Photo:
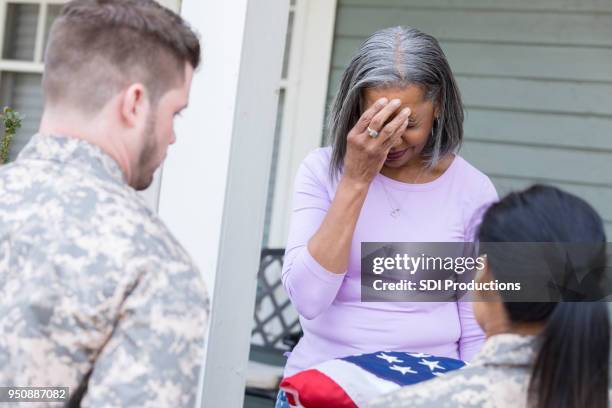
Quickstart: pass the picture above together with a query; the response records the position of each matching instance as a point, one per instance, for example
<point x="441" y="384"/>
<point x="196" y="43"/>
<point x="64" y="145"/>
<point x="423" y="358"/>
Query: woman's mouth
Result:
<point x="392" y="156"/>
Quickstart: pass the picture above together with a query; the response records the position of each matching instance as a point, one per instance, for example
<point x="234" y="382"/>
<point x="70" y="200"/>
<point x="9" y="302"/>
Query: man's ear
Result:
<point x="134" y="105"/>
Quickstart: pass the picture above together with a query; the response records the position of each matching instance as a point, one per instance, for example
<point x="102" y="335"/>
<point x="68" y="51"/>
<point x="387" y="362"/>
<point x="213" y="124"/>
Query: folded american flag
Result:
<point x="354" y="380"/>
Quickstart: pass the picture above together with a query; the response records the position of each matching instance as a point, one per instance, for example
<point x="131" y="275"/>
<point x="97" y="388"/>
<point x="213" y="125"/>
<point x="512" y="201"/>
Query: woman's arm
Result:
<point x="321" y="229"/>
<point x="311" y="286"/>
<point x="331" y="244"/>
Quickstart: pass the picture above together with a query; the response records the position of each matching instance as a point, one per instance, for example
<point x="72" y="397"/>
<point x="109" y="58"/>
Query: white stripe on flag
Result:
<point x="360" y="385"/>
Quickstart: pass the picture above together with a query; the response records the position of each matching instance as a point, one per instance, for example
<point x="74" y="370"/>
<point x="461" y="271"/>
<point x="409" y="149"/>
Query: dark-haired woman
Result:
<point x="392" y="174"/>
<point x="538" y="354"/>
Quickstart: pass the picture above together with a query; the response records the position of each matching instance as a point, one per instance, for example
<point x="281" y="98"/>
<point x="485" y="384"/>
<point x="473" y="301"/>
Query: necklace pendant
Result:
<point x="395" y="213"/>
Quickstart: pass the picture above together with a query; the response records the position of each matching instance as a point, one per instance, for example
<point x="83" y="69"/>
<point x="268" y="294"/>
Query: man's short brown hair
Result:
<point x="97" y="47"/>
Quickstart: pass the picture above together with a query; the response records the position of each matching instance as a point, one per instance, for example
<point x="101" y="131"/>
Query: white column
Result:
<point x="214" y="185"/>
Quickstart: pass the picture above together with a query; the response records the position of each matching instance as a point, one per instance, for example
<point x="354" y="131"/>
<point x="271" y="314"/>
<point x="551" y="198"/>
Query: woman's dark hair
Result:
<point x="398" y="57"/>
<point x="571" y="366"/>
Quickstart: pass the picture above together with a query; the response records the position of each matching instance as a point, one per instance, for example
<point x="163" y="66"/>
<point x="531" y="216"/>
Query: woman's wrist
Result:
<point x="358" y="186"/>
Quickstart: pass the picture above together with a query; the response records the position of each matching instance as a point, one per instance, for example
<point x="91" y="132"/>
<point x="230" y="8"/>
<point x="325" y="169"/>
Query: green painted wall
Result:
<point x="536" y="80"/>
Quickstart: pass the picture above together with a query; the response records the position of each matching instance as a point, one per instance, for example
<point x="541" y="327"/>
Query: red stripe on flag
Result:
<point x="316" y="390"/>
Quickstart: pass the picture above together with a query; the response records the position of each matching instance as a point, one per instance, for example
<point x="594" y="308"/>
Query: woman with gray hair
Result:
<point x="392" y="174"/>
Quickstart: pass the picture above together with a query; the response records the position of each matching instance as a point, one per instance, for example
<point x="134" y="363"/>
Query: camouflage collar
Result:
<point x="506" y="350"/>
<point x="75" y="152"/>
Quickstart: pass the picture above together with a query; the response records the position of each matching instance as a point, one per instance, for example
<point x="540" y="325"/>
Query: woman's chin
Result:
<point x="394" y="164"/>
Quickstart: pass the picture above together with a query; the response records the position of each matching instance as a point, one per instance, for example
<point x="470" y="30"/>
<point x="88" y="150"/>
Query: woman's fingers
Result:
<point x="395" y="125"/>
<point x="396" y="137"/>
<point x="368" y="115"/>
<point x="380" y="118"/>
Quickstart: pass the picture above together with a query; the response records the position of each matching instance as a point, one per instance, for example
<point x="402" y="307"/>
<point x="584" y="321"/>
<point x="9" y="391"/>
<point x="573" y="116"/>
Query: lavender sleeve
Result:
<point x="472" y="336"/>
<point x="311" y="287"/>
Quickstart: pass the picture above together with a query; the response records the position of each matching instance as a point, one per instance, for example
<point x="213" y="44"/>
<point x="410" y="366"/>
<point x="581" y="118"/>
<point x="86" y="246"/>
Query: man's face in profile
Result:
<point x="159" y="132"/>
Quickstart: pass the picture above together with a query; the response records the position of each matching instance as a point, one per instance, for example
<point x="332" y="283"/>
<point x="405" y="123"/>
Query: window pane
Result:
<point x="20" y="31"/>
<point x="23" y="93"/>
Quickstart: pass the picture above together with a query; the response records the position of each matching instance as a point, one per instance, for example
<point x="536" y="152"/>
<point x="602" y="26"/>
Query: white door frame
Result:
<point x="305" y="99"/>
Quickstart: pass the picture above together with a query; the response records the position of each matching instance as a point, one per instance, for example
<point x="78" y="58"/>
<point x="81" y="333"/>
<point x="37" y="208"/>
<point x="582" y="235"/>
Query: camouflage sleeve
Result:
<point x="154" y="355"/>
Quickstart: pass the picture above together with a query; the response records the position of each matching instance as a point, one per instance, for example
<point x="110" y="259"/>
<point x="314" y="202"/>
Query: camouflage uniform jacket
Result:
<point x="96" y="294"/>
<point x="497" y="377"/>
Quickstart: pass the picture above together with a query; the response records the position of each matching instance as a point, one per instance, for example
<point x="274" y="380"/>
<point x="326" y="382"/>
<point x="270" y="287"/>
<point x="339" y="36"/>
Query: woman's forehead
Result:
<point x="412" y="96"/>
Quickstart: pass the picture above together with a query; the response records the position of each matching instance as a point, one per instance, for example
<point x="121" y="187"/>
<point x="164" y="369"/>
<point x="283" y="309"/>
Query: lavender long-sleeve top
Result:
<point x="335" y="322"/>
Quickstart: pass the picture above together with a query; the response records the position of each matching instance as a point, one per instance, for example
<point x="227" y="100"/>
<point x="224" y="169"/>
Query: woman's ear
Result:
<point x="484" y="275"/>
<point x="484" y="270"/>
<point x="436" y="111"/>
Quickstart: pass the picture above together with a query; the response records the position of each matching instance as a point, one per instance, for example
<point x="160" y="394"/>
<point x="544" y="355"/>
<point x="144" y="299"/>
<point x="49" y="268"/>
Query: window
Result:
<point x="24" y="29"/>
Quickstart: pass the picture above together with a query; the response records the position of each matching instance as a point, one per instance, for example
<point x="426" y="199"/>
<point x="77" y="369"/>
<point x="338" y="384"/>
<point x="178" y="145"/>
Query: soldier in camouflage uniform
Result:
<point x="97" y="295"/>
<point x="538" y="354"/>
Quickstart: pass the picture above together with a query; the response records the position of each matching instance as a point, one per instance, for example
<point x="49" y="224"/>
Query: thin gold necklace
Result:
<point x="396" y="208"/>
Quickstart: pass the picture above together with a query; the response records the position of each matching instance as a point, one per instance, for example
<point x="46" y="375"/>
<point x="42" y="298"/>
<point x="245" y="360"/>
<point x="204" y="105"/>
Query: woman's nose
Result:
<point x="398" y="141"/>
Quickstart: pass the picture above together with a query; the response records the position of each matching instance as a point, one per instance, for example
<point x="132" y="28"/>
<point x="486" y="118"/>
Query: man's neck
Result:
<point x="93" y="130"/>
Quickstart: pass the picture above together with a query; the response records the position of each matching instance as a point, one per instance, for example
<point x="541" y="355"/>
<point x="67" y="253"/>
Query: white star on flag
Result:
<point x="403" y="370"/>
<point x="389" y="359"/>
<point x="439" y="374"/>
<point x="431" y="364"/>
<point x="418" y="355"/>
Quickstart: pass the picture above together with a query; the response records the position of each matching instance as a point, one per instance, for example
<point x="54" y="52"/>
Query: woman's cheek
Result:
<point x="415" y="137"/>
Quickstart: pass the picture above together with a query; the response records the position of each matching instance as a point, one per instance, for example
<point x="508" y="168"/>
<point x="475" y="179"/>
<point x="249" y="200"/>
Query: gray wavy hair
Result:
<point x="398" y="57"/>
